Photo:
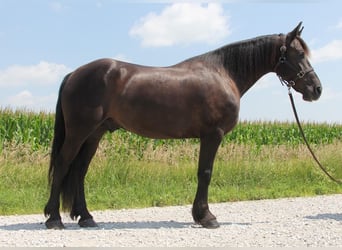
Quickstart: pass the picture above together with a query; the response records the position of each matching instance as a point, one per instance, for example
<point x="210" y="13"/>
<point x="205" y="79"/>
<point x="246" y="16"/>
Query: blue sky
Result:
<point x="42" y="40"/>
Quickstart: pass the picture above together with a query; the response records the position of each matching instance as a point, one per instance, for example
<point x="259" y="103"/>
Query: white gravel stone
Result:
<point x="293" y="222"/>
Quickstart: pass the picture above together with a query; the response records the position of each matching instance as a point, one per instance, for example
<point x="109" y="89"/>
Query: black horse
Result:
<point x="197" y="98"/>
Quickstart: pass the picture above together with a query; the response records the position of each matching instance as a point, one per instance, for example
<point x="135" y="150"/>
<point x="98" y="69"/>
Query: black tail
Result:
<point x="59" y="131"/>
<point x="70" y="182"/>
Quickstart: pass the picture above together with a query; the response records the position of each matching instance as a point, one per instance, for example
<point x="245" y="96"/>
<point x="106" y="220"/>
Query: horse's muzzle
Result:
<point x="313" y="93"/>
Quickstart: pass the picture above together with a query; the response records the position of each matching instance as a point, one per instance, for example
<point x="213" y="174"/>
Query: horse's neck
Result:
<point x="249" y="60"/>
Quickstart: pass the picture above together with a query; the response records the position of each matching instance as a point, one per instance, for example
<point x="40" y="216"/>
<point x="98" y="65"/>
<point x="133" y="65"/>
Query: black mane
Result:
<point x="244" y="57"/>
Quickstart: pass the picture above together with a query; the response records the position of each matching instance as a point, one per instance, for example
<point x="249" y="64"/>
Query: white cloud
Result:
<point x="183" y="23"/>
<point x="25" y="99"/>
<point x="43" y="73"/>
<point x="331" y="51"/>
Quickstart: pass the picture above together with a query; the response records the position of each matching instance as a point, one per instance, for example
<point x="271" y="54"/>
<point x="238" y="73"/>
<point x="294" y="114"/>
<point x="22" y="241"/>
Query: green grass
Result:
<point x="257" y="160"/>
<point x="240" y="173"/>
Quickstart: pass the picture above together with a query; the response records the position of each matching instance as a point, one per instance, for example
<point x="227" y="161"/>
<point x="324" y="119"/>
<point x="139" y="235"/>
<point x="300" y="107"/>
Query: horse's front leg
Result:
<point x="208" y="149"/>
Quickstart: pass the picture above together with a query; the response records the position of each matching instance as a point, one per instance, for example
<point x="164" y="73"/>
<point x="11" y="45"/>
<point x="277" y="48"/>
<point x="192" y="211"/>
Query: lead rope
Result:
<point x="303" y="135"/>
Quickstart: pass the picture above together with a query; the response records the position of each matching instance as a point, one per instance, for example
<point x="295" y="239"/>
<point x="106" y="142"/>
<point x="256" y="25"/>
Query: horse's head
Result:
<point x="294" y="69"/>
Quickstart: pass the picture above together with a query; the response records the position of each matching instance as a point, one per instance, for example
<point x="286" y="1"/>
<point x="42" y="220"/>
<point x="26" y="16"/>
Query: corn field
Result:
<point x="257" y="160"/>
<point x="35" y="130"/>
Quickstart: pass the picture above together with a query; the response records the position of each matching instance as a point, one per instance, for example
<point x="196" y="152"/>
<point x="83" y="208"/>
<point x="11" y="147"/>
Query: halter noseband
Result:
<point x="283" y="61"/>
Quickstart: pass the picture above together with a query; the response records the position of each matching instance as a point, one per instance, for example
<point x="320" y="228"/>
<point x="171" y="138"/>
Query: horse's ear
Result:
<point x="296" y="32"/>
<point x="300" y="31"/>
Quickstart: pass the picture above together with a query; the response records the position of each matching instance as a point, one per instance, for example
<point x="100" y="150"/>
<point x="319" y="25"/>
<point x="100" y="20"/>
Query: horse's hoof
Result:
<point x="87" y="223"/>
<point x="210" y="224"/>
<point x="54" y="224"/>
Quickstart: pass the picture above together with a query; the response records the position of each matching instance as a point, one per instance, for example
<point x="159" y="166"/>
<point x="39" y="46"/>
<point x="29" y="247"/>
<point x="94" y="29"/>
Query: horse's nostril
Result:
<point x="318" y="90"/>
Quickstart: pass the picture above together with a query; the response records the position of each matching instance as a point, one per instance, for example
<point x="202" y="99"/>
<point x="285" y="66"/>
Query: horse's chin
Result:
<point x="308" y="99"/>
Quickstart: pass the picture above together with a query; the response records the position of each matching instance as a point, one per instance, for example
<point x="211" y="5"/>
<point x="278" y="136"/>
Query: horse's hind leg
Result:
<point x="82" y="161"/>
<point x="62" y="164"/>
<point x="208" y="149"/>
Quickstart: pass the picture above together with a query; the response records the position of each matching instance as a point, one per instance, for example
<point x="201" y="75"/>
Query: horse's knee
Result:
<point x="204" y="176"/>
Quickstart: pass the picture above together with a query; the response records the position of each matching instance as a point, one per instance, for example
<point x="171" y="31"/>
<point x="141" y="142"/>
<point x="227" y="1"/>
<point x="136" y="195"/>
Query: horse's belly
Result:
<point x="174" y="109"/>
<point x="160" y="124"/>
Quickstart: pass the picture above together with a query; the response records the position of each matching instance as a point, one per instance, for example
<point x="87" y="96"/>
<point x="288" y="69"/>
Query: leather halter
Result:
<point x="300" y="73"/>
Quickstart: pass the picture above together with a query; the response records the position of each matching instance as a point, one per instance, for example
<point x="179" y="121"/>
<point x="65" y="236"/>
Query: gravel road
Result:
<point x="294" y="222"/>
